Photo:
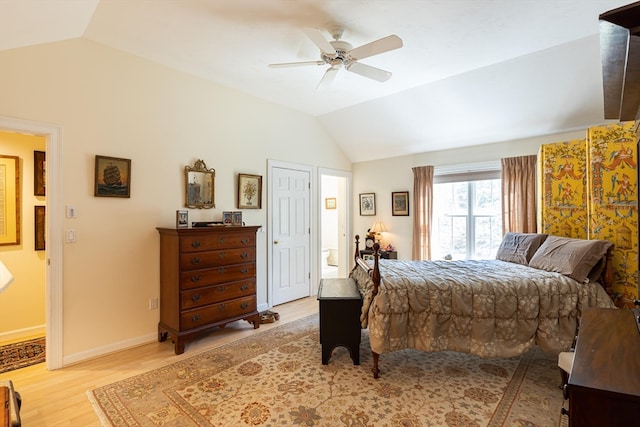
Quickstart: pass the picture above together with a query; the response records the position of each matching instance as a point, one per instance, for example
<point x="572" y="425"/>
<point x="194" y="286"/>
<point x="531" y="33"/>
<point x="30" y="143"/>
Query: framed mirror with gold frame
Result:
<point x="200" y="186"/>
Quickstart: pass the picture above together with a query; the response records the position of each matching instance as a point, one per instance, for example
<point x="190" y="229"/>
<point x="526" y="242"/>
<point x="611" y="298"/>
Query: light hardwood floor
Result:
<point x="59" y="398"/>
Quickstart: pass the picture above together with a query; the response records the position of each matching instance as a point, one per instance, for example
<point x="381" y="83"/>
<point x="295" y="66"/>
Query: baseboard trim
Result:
<point x="107" y="349"/>
<point x="25" y="333"/>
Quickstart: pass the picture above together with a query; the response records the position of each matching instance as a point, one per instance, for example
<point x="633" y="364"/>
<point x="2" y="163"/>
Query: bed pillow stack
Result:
<point x="575" y="258"/>
<point x="519" y="247"/>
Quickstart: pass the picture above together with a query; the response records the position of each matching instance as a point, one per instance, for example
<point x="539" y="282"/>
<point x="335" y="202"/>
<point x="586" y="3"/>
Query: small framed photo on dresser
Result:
<point x="227" y="217"/>
<point x="237" y="218"/>
<point x="182" y="219"/>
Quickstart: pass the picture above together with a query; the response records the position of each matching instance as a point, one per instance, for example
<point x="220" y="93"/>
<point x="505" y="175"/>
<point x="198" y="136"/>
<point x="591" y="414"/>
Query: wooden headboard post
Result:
<point x="375" y="276"/>
<point x="357" y="254"/>
<point x="607" y="274"/>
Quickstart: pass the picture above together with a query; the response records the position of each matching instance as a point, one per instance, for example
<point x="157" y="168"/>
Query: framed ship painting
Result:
<point x="113" y="177"/>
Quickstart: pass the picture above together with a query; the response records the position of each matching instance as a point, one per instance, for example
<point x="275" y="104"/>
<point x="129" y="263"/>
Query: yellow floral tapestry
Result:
<point x="613" y="201"/>
<point x="589" y="191"/>
<point x="564" y="194"/>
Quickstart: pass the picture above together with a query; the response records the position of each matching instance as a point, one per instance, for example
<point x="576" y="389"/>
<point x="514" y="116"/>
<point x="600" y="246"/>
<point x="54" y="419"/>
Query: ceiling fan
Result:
<point x="338" y="54"/>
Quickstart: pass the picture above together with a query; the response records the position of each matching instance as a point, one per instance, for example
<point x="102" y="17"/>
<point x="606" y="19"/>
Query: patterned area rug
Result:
<point x="22" y="354"/>
<point x="276" y="378"/>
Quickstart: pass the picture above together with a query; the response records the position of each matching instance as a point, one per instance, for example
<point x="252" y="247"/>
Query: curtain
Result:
<point x="519" y="194"/>
<point x="422" y="212"/>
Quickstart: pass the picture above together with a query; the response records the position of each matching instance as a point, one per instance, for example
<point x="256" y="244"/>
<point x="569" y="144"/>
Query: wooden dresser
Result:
<point x="207" y="279"/>
<point x="604" y="384"/>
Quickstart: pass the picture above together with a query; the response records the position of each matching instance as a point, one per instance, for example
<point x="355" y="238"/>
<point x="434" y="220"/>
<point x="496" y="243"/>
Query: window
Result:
<point x="467" y="219"/>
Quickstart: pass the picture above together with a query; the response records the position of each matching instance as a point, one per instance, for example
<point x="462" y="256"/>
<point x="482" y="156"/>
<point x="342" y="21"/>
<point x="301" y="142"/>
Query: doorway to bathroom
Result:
<point x="335" y="211"/>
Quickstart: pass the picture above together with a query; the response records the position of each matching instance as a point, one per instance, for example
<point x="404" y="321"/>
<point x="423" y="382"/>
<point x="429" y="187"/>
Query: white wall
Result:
<point x="388" y="175"/>
<point x="114" y="104"/>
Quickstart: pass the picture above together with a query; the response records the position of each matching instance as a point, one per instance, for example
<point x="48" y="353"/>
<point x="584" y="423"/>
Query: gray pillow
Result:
<point x="519" y="247"/>
<point x="572" y="257"/>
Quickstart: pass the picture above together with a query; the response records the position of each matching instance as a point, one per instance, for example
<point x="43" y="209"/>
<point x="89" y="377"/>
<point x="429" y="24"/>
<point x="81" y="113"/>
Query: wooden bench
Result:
<point x="340" y="305"/>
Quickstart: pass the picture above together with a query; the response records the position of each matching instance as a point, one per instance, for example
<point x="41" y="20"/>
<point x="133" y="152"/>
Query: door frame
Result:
<point x="53" y="232"/>
<point x="344" y="204"/>
<point x="313" y="221"/>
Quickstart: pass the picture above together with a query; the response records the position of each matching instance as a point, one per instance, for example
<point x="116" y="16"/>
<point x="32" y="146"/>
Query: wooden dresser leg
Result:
<point x="179" y="346"/>
<point x="375" y="370"/>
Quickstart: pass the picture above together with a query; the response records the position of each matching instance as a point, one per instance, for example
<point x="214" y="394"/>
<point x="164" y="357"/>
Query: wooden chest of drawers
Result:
<point x="207" y="279"/>
<point x="604" y="384"/>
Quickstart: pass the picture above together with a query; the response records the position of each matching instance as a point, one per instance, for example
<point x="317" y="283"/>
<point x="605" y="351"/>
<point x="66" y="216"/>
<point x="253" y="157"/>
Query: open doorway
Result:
<point x="53" y="233"/>
<point x="334" y="213"/>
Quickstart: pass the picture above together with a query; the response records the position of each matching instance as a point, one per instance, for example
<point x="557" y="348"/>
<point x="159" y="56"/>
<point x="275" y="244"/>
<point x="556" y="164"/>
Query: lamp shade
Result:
<point x="378" y="227"/>
<point x="5" y="277"/>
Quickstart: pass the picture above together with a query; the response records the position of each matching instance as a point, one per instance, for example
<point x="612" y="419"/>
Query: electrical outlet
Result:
<point x="72" y="236"/>
<point x="153" y="303"/>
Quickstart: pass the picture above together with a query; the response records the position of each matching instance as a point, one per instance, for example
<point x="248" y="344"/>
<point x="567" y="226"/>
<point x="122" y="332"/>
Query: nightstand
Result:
<point x="383" y="254"/>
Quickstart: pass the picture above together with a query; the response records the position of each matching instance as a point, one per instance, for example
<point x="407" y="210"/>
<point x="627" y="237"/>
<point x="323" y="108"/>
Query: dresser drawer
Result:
<point x="205" y="242"/>
<point x="217" y="312"/>
<point x="212" y="294"/>
<point x="213" y="276"/>
<point x="199" y="260"/>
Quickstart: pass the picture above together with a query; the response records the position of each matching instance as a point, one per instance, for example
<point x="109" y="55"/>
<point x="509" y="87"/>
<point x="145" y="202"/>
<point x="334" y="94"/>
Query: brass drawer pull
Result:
<point x="244" y="255"/>
<point x="222" y="289"/>
<point x="244" y="241"/>
<point x="195" y="261"/>
<point x="221" y="240"/>
<point x="195" y="244"/>
<point x="196" y="318"/>
<point x="195" y="297"/>
<point x="195" y="278"/>
<point x="244" y="287"/>
<point x="222" y="307"/>
<point x="222" y="270"/>
<point x="222" y="255"/>
<point x="244" y="305"/>
<point x="244" y="271"/>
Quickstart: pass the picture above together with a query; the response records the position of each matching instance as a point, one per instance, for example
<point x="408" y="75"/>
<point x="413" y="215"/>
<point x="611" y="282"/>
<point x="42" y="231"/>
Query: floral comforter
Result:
<point x="490" y="308"/>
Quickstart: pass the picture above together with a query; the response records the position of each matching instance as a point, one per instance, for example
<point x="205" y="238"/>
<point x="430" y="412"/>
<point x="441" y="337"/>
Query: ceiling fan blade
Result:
<point x="296" y="64"/>
<point x="369" y="71"/>
<point x="328" y="78"/>
<point x="375" y="47"/>
<point x="319" y="40"/>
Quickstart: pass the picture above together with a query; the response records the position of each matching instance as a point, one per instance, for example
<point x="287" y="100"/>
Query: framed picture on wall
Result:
<point x="10" y="198"/>
<point x="400" y="203"/>
<point x="112" y="177"/>
<point x="39" y="168"/>
<point x="367" y="204"/>
<point x="39" y="226"/>
<point x="249" y="191"/>
<point x="330" y="203"/>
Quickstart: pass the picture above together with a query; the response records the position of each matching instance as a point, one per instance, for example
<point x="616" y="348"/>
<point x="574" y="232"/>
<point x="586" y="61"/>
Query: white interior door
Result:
<point x="290" y="234"/>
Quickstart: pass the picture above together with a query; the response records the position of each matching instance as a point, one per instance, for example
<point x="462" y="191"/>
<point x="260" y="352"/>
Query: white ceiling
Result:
<point x="470" y="71"/>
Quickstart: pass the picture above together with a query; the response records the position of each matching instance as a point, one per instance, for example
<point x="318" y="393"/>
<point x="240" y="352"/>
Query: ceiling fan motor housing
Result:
<point x="342" y="48"/>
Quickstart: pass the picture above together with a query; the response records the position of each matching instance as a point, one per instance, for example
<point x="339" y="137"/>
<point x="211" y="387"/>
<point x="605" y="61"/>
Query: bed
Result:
<point x="532" y="294"/>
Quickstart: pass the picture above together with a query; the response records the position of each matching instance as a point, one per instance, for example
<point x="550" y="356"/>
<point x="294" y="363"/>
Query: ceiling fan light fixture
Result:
<point x="341" y="54"/>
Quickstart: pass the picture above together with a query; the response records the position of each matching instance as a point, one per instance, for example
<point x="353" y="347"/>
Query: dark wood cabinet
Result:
<point x="604" y="384"/>
<point x="207" y="279"/>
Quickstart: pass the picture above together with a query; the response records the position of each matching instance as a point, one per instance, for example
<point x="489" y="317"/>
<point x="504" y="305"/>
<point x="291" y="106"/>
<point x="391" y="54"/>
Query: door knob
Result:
<point x="275" y="242"/>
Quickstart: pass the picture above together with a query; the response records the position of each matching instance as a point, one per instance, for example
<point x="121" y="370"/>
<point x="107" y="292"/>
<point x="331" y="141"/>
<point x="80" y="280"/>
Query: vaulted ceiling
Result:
<point x="470" y="72"/>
